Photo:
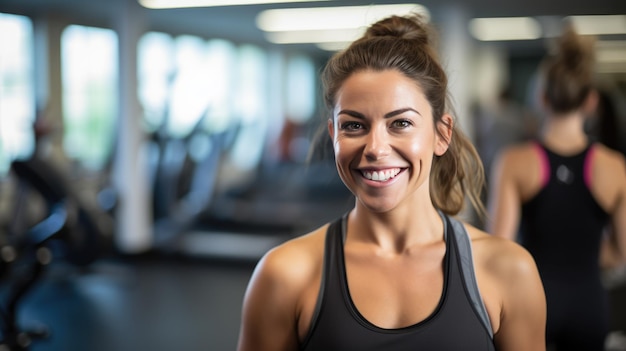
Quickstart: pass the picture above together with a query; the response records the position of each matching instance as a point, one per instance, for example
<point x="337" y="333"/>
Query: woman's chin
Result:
<point x="377" y="205"/>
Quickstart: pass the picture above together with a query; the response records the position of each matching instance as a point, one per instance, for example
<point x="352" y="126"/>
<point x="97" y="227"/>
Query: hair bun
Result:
<point x="569" y="72"/>
<point x="575" y="51"/>
<point x="410" y="27"/>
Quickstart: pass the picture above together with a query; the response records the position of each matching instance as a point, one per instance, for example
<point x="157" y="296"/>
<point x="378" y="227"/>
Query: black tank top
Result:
<point x="562" y="225"/>
<point x="460" y="321"/>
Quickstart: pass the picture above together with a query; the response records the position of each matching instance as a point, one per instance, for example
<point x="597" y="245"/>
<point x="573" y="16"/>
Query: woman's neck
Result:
<point x="565" y="134"/>
<point x="398" y="229"/>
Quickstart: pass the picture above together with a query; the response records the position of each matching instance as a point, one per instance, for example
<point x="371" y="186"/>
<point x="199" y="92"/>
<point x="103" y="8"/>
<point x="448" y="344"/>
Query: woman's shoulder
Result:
<point x="523" y="165"/>
<point x="516" y="158"/>
<point x="520" y="151"/>
<point x="295" y="259"/>
<point x="607" y="157"/>
<point x="608" y="176"/>
<point x="500" y="256"/>
<point x="510" y="286"/>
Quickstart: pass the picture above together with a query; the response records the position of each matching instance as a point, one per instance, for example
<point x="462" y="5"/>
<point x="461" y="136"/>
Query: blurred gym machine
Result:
<point x="196" y="215"/>
<point x="202" y="205"/>
<point x="49" y="222"/>
<point x="183" y="176"/>
<point x="278" y="200"/>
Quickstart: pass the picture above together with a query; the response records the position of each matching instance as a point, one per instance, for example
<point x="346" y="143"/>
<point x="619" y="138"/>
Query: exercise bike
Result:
<point x="68" y="230"/>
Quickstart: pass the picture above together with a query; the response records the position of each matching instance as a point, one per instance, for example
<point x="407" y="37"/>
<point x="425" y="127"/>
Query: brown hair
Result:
<point x="404" y="44"/>
<point x="568" y="73"/>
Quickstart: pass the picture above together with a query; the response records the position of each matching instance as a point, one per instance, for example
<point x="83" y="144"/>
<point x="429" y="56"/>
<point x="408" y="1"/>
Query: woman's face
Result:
<point x="384" y="139"/>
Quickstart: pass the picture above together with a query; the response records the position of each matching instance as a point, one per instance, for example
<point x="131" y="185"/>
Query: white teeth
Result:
<point x="381" y="176"/>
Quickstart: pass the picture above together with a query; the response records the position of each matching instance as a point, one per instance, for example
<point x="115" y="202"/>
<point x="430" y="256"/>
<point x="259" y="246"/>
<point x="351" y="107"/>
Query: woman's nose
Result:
<point x="377" y="144"/>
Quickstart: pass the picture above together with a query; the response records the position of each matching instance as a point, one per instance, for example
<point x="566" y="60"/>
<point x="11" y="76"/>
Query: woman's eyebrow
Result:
<point x="400" y="111"/>
<point x="387" y="115"/>
<point x="352" y="114"/>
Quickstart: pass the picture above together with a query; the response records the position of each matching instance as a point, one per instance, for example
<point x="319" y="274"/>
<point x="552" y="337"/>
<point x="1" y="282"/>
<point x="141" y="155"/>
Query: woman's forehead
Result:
<point x="386" y="89"/>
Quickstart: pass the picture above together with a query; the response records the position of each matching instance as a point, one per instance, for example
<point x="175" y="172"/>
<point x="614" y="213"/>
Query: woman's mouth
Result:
<point x="381" y="175"/>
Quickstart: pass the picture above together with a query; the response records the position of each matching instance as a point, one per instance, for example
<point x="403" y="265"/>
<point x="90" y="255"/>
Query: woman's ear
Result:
<point x="331" y="128"/>
<point x="443" y="137"/>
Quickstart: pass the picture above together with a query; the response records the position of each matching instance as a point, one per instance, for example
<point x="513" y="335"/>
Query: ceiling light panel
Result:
<point x="334" y="46"/>
<point x="599" y="25"/>
<point x="314" y="36"/>
<point x="611" y="51"/>
<point x="170" y="4"/>
<point x="327" y="18"/>
<point x="505" y="28"/>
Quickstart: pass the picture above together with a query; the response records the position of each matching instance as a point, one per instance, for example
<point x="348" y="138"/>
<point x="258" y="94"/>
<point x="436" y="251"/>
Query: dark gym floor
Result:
<point x="148" y="303"/>
<point x="156" y="302"/>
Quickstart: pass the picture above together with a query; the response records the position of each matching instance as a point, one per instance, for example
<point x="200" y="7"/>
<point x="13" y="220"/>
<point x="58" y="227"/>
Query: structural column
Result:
<point x="457" y="58"/>
<point x="47" y="31"/>
<point x="456" y="47"/>
<point x="134" y="232"/>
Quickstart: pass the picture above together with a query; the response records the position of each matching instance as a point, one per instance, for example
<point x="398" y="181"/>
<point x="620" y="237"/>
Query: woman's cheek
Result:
<point x="415" y="147"/>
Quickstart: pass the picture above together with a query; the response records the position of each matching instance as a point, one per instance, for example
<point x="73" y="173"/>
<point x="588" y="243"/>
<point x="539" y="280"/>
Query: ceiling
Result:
<point x="237" y="23"/>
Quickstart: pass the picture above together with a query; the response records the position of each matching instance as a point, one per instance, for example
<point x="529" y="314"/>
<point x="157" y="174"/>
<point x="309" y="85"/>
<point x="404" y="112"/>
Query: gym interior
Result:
<point x="150" y="156"/>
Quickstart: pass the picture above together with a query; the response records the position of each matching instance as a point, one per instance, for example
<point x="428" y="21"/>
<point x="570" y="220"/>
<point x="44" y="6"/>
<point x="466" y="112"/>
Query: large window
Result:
<point x="90" y="85"/>
<point x="300" y="89"/>
<point x="155" y="68"/>
<point x="184" y="81"/>
<point x="215" y="85"/>
<point x="17" y="95"/>
<point x="251" y="107"/>
<point x="187" y="82"/>
<point x="222" y="57"/>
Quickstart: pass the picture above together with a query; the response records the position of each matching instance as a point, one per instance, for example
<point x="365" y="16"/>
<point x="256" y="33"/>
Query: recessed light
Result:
<point x="598" y="25"/>
<point x="170" y="4"/>
<point x="327" y="24"/>
<point x="505" y="28"/>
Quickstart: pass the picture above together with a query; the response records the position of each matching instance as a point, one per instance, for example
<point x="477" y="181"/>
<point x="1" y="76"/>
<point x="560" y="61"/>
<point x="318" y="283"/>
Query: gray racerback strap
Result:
<point x="467" y="269"/>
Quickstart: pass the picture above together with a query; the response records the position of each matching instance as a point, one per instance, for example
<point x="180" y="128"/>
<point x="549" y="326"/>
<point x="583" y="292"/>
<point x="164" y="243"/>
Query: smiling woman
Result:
<point x="377" y="131"/>
<point x="397" y="271"/>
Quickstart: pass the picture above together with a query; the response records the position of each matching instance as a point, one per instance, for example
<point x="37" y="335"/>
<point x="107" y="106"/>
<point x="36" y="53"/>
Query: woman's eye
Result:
<point x="401" y="123"/>
<point x="351" y="126"/>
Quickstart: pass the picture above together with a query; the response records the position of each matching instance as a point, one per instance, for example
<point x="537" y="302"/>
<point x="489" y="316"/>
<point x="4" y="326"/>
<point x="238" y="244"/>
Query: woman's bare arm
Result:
<point x="269" y="308"/>
<point x="282" y="293"/>
<point x="523" y="304"/>
<point x="609" y="188"/>
<point x="504" y="199"/>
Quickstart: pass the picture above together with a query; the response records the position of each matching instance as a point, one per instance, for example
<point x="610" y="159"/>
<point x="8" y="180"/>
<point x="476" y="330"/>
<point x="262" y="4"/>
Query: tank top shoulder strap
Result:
<point x="544" y="162"/>
<point x="333" y="243"/>
<point x="587" y="168"/>
<point x="455" y="230"/>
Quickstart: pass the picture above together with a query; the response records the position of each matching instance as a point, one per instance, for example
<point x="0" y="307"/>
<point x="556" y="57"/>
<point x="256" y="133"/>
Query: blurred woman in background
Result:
<point x="560" y="193"/>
